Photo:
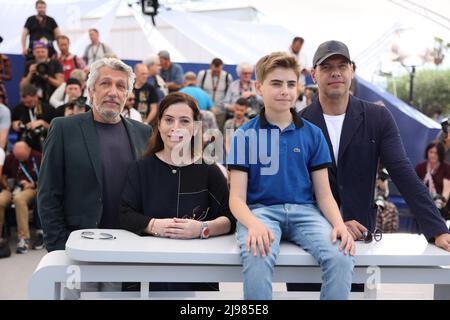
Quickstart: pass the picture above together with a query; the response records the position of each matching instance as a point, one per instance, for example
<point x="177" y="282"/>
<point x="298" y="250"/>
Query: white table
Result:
<point x="397" y="258"/>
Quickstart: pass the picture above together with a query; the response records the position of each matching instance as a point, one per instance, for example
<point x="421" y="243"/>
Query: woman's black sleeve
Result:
<point x="218" y="190"/>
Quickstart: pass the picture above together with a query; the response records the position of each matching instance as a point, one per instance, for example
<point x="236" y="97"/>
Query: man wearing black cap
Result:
<point x="76" y="103"/>
<point x="359" y="135"/>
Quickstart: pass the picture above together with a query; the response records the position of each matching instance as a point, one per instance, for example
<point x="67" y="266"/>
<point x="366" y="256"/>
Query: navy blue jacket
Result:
<point x="370" y="134"/>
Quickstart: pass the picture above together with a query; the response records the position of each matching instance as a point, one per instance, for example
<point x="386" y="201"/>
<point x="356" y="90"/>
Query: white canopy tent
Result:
<point x="197" y="31"/>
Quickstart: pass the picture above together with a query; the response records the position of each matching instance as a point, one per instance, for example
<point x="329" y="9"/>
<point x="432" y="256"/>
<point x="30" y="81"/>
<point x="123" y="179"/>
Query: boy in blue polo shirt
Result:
<point x="278" y="161"/>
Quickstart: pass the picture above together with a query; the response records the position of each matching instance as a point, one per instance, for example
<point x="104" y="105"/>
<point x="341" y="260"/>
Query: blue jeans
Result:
<point x="305" y="226"/>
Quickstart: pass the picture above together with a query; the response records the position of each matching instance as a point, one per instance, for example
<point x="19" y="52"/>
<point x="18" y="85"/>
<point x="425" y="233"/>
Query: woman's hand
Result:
<point x="183" y="229"/>
<point x="158" y="227"/>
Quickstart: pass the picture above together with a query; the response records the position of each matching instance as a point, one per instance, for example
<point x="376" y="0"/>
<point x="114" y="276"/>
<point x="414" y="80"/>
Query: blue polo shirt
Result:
<point x="279" y="162"/>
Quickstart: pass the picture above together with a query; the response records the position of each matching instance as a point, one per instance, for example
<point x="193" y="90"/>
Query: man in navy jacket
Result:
<point x="359" y="135"/>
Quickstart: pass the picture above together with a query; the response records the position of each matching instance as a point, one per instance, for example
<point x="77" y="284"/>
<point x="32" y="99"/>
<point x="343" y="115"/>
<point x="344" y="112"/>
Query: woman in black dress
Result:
<point x="171" y="192"/>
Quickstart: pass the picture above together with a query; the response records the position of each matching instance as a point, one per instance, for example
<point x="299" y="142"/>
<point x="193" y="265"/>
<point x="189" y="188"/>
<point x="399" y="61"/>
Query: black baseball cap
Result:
<point x="73" y="81"/>
<point x="328" y="49"/>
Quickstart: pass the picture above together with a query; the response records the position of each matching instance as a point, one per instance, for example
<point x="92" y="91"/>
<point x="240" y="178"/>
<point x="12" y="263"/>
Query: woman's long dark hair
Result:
<point x="156" y="143"/>
<point x="440" y="150"/>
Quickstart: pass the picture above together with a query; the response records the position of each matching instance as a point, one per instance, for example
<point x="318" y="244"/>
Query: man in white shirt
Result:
<point x="215" y="81"/>
<point x="295" y="50"/>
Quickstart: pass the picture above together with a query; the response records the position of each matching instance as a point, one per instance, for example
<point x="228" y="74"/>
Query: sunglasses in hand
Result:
<point x="368" y="236"/>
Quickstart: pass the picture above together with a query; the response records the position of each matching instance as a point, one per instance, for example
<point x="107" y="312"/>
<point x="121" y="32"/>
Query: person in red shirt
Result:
<point x="68" y="60"/>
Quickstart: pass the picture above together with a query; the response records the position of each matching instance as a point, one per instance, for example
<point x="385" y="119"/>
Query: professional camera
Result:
<point x="42" y="69"/>
<point x="251" y="113"/>
<point x="38" y="131"/>
<point x="80" y="103"/>
<point x="23" y="127"/>
<point x="439" y="201"/>
<point x="33" y="137"/>
<point x="444" y="125"/>
<point x="76" y="106"/>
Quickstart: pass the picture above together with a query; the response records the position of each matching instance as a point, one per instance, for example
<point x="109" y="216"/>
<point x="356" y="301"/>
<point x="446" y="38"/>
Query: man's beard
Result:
<point x="108" y="115"/>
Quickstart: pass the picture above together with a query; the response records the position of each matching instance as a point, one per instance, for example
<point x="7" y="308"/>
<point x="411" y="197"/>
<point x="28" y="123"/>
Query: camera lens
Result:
<point x="42" y="68"/>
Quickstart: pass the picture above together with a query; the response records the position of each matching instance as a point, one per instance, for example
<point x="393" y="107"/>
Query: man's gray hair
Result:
<point x="149" y="61"/>
<point x="243" y="65"/>
<point x="114" y="64"/>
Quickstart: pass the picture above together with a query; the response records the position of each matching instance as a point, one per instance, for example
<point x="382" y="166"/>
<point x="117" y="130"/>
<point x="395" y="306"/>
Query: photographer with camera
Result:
<point x="435" y="174"/>
<point x="59" y="96"/>
<point x="22" y="170"/>
<point x="45" y="73"/>
<point x="31" y="117"/>
<point x="77" y="103"/>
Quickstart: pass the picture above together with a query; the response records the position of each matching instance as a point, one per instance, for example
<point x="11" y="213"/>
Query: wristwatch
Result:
<point x="204" y="232"/>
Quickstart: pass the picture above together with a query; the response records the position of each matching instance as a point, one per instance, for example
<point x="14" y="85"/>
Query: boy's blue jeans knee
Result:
<point x="305" y="226"/>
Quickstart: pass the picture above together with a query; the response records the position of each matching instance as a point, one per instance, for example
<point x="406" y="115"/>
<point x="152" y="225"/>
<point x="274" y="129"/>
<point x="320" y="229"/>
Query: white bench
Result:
<point x="397" y="258"/>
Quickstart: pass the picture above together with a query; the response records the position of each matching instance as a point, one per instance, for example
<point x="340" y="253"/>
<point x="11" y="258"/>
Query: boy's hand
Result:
<point x="347" y="242"/>
<point x="259" y="237"/>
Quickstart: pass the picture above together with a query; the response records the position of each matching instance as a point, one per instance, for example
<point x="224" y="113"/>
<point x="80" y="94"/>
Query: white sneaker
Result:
<point x="22" y="246"/>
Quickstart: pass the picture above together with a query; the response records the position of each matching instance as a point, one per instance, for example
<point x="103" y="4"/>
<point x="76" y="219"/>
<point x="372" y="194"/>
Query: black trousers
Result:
<point x="311" y="287"/>
<point x="172" y="286"/>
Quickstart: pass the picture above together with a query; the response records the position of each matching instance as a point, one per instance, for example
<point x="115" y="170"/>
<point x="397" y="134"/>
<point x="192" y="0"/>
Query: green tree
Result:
<point x="431" y="90"/>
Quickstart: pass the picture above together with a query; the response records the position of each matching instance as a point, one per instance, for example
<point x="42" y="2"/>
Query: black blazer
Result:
<point x="370" y="134"/>
<point x="70" y="183"/>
